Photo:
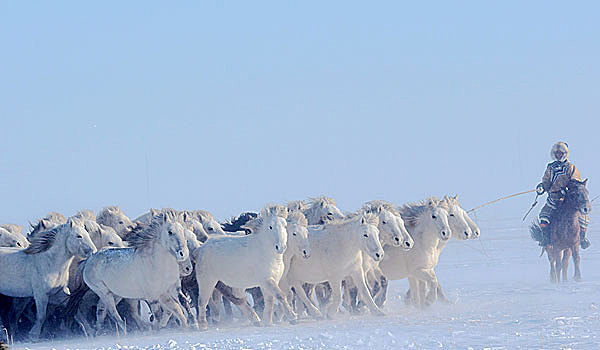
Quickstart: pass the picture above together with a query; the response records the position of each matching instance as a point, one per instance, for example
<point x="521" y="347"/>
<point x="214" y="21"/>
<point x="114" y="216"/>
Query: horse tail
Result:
<point x="228" y="293"/>
<point x="536" y="231"/>
<point x="72" y="303"/>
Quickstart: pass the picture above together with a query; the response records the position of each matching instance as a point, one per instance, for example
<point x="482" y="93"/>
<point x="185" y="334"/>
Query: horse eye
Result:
<point x="366" y="235"/>
<point x="170" y="233"/>
<point x="433" y="216"/>
<point x="111" y="243"/>
<point x="211" y="229"/>
<point x="120" y="222"/>
<point x="270" y="227"/>
<point x="451" y="214"/>
<point x="293" y="234"/>
<point x="330" y="213"/>
<point x="383" y="222"/>
<point x="79" y="236"/>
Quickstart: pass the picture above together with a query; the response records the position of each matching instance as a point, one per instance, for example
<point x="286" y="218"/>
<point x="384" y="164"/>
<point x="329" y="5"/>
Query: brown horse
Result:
<point x="564" y="232"/>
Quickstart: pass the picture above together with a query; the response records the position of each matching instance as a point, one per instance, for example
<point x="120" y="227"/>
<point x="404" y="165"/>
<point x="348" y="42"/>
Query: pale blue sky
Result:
<point x="229" y="105"/>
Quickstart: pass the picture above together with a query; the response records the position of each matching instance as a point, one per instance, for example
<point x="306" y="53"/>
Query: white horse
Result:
<point x="42" y="270"/>
<point x="10" y="239"/>
<point x="460" y="231"/>
<point x="321" y="209"/>
<point x="392" y="231"/>
<point x="13" y="228"/>
<point x="49" y="222"/>
<point x="462" y="227"/>
<point x="242" y="262"/>
<point x="149" y="270"/>
<point x="427" y="223"/>
<point x="114" y="217"/>
<point x="337" y="249"/>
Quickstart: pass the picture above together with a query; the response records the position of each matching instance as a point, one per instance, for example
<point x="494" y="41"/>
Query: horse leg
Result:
<point x="205" y="291"/>
<point x="227" y="308"/>
<point x="576" y="263"/>
<point x="336" y="298"/>
<point x="268" y="310"/>
<point x="381" y="293"/>
<point x="271" y="287"/>
<point x="551" y="260"/>
<point x="347" y="301"/>
<point x="108" y="300"/>
<point x="41" y="303"/>
<point x="565" y="264"/>
<point x="413" y="291"/>
<point x="310" y="306"/>
<point x="215" y="307"/>
<point x="238" y="297"/>
<point x="441" y="295"/>
<point x="171" y="304"/>
<point x="359" y="278"/>
<point x="428" y="276"/>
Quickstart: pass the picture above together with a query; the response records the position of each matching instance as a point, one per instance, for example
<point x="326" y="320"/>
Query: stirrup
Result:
<point x="585" y="243"/>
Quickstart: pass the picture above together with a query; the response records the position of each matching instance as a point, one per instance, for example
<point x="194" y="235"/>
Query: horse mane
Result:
<point x="43" y="241"/>
<point x="12" y="228"/>
<point x="411" y="212"/>
<point x="322" y="200"/>
<point x="86" y="214"/>
<point x="267" y="211"/>
<point x="235" y="223"/>
<point x="143" y="237"/>
<point x="40" y="226"/>
<point x="204" y="216"/>
<point x="297" y="205"/>
<point x="376" y="206"/>
<point x="371" y="218"/>
<point x="108" y="212"/>
<point x="296" y="217"/>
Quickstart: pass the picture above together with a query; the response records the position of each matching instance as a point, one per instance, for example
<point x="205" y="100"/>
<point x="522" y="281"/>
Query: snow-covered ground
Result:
<point x="503" y="301"/>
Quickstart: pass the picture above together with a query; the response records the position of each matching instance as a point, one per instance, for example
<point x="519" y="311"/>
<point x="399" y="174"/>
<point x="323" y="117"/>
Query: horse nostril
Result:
<point x="407" y="244"/>
<point x="397" y="239"/>
<point x="466" y="234"/>
<point x="377" y="255"/>
<point x="304" y="252"/>
<point x="276" y="247"/>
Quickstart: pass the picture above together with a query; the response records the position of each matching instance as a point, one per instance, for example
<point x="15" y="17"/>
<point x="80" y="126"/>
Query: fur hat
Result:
<point x="560" y="146"/>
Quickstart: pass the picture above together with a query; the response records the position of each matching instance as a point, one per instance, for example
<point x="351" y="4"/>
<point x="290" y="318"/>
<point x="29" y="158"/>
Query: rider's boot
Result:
<point x="545" y="233"/>
<point x="583" y="241"/>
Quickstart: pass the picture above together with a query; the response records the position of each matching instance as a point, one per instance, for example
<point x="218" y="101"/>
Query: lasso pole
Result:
<point x="500" y="199"/>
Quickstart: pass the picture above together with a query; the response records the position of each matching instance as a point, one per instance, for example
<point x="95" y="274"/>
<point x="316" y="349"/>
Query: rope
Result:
<point x="500" y="199"/>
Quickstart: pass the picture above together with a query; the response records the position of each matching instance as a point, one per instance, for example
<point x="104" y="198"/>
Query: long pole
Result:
<point x="500" y="199"/>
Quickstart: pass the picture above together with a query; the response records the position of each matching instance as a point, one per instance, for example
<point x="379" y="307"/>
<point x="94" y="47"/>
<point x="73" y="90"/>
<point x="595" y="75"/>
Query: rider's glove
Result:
<point x="539" y="189"/>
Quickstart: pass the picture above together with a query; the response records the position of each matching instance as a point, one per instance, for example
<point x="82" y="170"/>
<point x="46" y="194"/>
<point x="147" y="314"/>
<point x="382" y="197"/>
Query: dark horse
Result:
<point x="564" y="231"/>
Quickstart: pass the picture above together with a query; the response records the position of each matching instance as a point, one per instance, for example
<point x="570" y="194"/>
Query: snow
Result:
<point x="503" y="300"/>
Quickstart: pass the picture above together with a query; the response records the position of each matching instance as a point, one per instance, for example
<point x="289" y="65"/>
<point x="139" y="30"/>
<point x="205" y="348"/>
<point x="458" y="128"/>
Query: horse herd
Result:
<point x="183" y="268"/>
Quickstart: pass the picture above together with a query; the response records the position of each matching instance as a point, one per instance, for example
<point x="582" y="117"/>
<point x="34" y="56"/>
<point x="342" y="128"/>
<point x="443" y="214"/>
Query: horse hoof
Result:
<point x="578" y="279"/>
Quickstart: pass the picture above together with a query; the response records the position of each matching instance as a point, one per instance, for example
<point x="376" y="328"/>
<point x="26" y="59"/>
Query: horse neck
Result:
<point x="426" y="230"/>
<point x="58" y="254"/>
<point x="311" y="216"/>
<point x="345" y="236"/>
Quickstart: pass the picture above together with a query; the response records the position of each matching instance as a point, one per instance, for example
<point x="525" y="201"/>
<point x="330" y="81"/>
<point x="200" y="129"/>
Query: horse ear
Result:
<point x="362" y="220"/>
<point x="323" y="204"/>
<point x="456" y="197"/>
<point x="585" y="182"/>
<point x="431" y="203"/>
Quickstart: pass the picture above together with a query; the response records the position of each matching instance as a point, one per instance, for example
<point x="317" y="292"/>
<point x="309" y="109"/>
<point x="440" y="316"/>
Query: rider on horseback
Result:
<point x="555" y="181"/>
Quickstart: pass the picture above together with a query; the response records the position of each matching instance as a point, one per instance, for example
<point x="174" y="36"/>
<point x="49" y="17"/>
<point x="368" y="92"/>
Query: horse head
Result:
<point x="297" y="228"/>
<point x="578" y="196"/>
<point x="456" y="219"/>
<point x="172" y="237"/>
<point x="369" y="235"/>
<point x="78" y="240"/>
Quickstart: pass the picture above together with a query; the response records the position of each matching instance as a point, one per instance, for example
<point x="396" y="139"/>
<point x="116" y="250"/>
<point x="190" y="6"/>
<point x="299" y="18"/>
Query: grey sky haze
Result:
<point x="226" y="106"/>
